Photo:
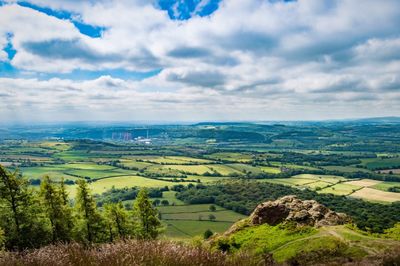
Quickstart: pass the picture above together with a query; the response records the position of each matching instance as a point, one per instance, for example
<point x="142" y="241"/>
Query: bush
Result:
<point x="207" y="234"/>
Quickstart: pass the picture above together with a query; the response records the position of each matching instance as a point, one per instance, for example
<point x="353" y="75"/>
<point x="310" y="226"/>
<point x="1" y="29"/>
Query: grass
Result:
<point x="190" y="220"/>
<point x="189" y="159"/>
<point x="224" y="170"/>
<point x="245" y="167"/>
<point x="340" y="189"/>
<point x="102" y="185"/>
<point x="364" y="182"/>
<point x="305" y="245"/>
<point x="384" y="186"/>
<point x="225" y="216"/>
<point x="81" y="156"/>
<point x="293" y="166"/>
<point x="189" y="229"/>
<point x="291" y="181"/>
<point x="381" y="163"/>
<point x="231" y="156"/>
<point x="346" y="169"/>
<point x="271" y="170"/>
<point x="254" y="238"/>
<point x="192" y="169"/>
<point x="187" y="208"/>
<point x="98" y="174"/>
<point x="87" y="166"/>
<point x="376" y="195"/>
<point x="317" y="185"/>
<point x="135" y="164"/>
<point x="326" y="178"/>
<point x="55" y="172"/>
<point x="170" y="196"/>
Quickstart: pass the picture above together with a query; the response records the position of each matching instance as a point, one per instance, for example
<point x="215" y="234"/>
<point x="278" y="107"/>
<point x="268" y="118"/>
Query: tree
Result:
<point x="2" y="239"/>
<point x="148" y="223"/>
<point x="21" y="215"/>
<point x="393" y="232"/>
<point x="58" y="212"/>
<point x="156" y="202"/>
<point x="63" y="191"/>
<point x="212" y="217"/>
<point x="118" y="221"/>
<point x="91" y="221"/>
<point x="212" y="208"/>
<point x="164" y="202"/>
<point x="207" y="234"/>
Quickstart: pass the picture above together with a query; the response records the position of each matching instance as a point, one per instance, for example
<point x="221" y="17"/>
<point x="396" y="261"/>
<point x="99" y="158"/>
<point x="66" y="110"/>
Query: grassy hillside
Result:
<point x="305" y="245"/>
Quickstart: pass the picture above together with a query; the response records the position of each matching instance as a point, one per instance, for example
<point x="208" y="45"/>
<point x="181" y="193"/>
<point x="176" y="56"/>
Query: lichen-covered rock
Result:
<point x="290" y="208"/>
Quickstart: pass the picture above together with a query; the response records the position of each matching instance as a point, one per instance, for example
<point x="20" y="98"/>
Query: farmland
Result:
<point x="367" y="172"/>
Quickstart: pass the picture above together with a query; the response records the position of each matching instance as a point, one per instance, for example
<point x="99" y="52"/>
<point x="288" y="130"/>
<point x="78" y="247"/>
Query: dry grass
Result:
<point x="376" y="195"/>
<point x="364" y="182"/>
<point x="131" y="252"/>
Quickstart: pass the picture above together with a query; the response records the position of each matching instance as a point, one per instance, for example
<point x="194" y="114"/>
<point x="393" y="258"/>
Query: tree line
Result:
<point x="31" y="218"/>
<point x="243" y="196"/>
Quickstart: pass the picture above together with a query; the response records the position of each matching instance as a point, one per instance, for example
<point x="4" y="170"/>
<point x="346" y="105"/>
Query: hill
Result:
<point x="298" y="232"/>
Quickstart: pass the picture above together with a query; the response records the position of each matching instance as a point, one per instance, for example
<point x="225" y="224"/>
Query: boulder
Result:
<point x="292" y="209"/>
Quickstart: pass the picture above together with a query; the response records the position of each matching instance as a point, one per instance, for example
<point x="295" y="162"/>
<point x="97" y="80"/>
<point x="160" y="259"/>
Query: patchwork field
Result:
<point x="190" y="220"/>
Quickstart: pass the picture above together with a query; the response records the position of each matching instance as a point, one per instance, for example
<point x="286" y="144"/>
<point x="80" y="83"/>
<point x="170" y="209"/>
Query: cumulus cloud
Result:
<point x="246" y="60"/>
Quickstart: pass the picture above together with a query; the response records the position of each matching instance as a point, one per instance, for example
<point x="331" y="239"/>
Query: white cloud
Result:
<point x="248" y="60"/>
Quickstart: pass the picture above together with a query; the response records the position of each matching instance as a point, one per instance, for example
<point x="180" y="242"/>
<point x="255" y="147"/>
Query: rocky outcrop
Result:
<point x="292" y="209"/>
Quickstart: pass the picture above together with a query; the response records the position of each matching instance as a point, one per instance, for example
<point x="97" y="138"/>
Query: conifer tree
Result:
<point x="148" y="223"/>
<point x="57" y="211"/>
<point x="21" y="216"/>
<point x="92" y="224"/>
<point x="118" y="221"/>
<point x="63" y="192"/>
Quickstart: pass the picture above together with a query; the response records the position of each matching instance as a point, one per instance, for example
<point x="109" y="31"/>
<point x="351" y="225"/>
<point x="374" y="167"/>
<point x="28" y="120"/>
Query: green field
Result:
<point x="191" y="220"/>
<point x="55" y="172"/>
<point x="346" y="169"/>
<point x="231" y="156"/>
<point x="340" y="189"/>
<point x="102" y="185"/>
<point x="134" y="164"/>
<point x="246" y="168"/>
<point x="326" y="178"/>
<point x="271" y="170"/>
<point x="381" y="163"/>
<point x="189" y="229"/>
<point x="191" y="169"/>
<point x="384" y="186"/>
<point x="170" y="196"/>
<point x="224" y="170"/>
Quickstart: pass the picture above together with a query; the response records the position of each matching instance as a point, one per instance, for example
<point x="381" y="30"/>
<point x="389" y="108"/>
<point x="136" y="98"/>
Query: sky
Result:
<point x="198" y="60"/>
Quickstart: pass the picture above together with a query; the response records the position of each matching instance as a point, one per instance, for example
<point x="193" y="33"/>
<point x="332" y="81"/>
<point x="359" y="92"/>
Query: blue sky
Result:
<point x="194" y="60"/>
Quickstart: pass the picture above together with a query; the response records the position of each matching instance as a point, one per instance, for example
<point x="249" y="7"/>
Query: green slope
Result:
<point x="305" y="245"/>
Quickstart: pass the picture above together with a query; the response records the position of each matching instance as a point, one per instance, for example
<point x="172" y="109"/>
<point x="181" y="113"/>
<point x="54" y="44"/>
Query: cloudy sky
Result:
<point x="197" y="60"/>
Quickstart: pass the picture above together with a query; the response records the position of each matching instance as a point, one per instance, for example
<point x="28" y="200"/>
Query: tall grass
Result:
<point x="131" y="252"/>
